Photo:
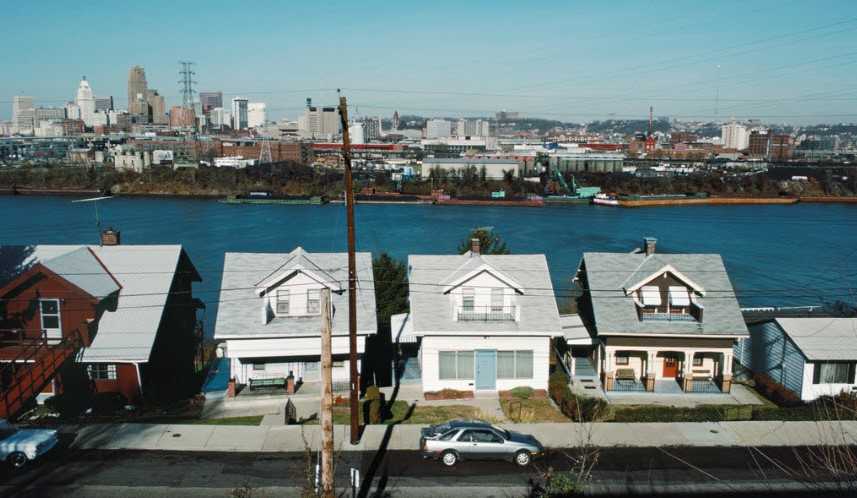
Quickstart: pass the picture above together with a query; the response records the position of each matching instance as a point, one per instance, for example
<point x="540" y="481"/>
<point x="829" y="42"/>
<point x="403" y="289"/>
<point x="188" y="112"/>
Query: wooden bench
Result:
<point x="272" y="382"/>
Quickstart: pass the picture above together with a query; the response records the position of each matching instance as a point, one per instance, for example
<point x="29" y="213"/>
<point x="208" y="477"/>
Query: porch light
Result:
<point x="679" y="296"/>
<point x="651" y="295"/>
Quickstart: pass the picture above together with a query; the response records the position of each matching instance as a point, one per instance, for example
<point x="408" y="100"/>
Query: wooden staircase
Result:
<point x="34" y="366"/>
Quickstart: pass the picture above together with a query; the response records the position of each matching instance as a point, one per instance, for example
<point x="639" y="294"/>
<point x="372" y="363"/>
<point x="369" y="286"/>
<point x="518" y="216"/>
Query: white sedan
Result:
<point x="19" y="446"/>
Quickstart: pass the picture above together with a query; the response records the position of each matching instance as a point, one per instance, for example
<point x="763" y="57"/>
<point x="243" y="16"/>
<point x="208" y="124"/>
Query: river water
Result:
<point x="776" y="255"/>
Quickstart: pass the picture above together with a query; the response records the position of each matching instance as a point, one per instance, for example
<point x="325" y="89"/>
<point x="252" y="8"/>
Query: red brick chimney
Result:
<point x="110" y="237"/>
<point x="474" y="246"/>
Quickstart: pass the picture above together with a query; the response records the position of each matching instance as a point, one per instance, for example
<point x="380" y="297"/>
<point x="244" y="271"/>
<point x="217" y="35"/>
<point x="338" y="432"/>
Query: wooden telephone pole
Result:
<point x="326" y="397"/>
<point x="352" y="272"/>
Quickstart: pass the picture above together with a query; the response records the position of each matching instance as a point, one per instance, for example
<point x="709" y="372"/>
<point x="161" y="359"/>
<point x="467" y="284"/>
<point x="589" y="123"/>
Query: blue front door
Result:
<point x="486" y="369"/>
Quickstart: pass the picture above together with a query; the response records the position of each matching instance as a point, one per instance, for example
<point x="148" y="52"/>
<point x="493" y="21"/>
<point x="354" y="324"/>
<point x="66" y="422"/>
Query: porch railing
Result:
<point x="486" y="313"/>
<point x="666" y="317"/>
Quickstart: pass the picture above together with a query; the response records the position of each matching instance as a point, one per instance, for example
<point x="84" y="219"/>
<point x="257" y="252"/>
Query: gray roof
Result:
<point x="608" y="274"/>
<point x="82" y="268"/>
<point x="145" y="273"/>
<point x="239" y="311"/>
<point x="430" y="311"/>
<point x="832" y="339"/>
<point x="573" y="330"/>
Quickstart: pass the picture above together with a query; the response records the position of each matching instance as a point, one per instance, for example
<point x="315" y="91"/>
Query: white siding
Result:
<point x="812" y="391"/>
<point x="429" y="360"/>
<point x="298" y="287"/>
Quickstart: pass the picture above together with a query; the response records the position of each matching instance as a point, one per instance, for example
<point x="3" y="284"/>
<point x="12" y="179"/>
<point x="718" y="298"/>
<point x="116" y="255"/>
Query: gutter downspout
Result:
<point x="139" y="379"/>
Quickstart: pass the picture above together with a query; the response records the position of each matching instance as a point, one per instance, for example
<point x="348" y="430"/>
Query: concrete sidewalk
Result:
<point x="406" y="436"/>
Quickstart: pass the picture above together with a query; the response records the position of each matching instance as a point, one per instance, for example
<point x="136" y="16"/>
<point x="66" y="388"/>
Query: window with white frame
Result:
<point x="313" y="301"/>
<point x="833" y="373"/>
<point x="455" y="365"/>
<point x="468" y="299"/>
<point x="258" y="367"/>
<point x="50" y="311"/>
<point x="515" y="364"/>
<point x="497" y="297"/>
<point x="650" y="295"/>
<point x="283" y="297"/>
<point x="101" y="371"/>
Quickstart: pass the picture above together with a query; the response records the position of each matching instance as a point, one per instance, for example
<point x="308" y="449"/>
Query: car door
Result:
<point x="483" y="444"/>
<point x="467" y="444"/>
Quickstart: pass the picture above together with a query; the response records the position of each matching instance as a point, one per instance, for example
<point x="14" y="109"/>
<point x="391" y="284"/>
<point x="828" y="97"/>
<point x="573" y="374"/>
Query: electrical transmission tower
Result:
<point x="265" y="153"/>
<point x="187" y="82"/>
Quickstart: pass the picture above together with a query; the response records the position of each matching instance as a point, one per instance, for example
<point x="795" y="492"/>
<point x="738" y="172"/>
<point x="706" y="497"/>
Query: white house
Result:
<point x="811" y="357"/>
<point x="483" y="322"/>
<point x="269" y="316"/>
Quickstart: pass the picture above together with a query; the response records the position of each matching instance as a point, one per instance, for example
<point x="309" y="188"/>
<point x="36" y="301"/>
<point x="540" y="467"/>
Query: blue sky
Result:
<point x="781" y="61"/>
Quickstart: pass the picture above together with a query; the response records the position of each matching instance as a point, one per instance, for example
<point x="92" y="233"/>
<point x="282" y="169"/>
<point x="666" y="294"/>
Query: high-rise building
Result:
<point x="85" y="100"/>
<point x="23" y="115"/>
<point x="319" y="123"/>
<point x="372" y="129"/>
<point x="210" y="100"/>
<point x="256" y="114"/>
<point x="438" y="128"/>
<point x="48" y="114"/>
<point x="760" y="142"/>
<point x="137" y="92"/>
<point x="735" y="136"/>
<point x="472" y="128"/>
<point x="103" y="104"/>
<point x="216" y="117"/>
<point x="156" y="108"/>
<point x="781" y="147"/>
<point x="239" y="113"/>
<point x="182" y="117"/>
<point x="395" y="120"/>
<point x="355" y="133"/>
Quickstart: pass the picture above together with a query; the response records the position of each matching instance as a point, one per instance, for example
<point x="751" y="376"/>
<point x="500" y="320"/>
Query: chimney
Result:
<point x="110" y="237"/>
<point x="474" y="247"/>
<point x="649" y="244"/>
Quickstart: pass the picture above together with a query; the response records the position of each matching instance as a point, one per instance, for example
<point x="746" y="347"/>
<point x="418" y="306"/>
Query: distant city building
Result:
<point x="49" y="129"/>
<point x="319" y="123"/>
<point x="506" y="115"/>
<point x="218" y="118"/>
<point x="138" y="92"/>
<point x="103" y="104"/>
<point x="210" y="100"/>
<point x="23" y="115"/>
<point x="494" y="169"/>
<point x="372" y="129"/>
<point x="760" y="141"/>
<point x="182" y="117"/>
<point x="396" y="120"/>
<point x="355" y="133"/>
<point x="735" y="136"/>
<point x="157" y="107"/>
<point x="472" y="128"/>
<point x="48" y="114"/>
<point x="781" y="147"/>
<point x="438" y="128"/>
<point x="239" y="113"/>
<point x="256" y="114"/>
<point x="85" y="100"/>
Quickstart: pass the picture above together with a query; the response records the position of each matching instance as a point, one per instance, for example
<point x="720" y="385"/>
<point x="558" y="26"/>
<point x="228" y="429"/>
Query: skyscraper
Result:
<point x="395" y="120"/>
<point x="210" y="100"/>
<point x="22" y="114"/>
<point x="239" y="113"/>
<point x="86" y="102"/>
<point x="256" y="114"/>
<point x="156" y="109"/>
<point x="137" y="91"/>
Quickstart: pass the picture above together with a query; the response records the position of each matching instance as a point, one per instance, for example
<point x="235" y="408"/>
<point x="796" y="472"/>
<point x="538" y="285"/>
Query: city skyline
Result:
<point x="773" y="61"/>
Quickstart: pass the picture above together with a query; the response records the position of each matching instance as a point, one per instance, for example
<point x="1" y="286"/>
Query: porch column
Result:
<point x="651" y="358"/>
<point x="726" y="372"/>
<point x="687" y="372"/>
<point x="571" y="365"/>
<point x="609" y="360"/>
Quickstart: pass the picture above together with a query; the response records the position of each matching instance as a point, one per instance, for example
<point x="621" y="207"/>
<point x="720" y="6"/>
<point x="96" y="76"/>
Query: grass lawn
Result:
<point x="531" y="411"/>
<point x="248" y="420"/>
<point x="401" y="412"/>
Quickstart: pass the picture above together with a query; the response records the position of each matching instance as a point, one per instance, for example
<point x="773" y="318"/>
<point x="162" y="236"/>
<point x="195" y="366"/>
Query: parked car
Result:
<point x="20" y="446"/>
<point x="472" y="439"/>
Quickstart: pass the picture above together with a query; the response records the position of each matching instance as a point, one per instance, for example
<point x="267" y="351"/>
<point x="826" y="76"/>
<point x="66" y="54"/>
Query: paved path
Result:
<point x="406" y="436"/>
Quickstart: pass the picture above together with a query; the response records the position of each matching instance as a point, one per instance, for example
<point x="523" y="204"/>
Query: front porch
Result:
<point x="667" y="371"/>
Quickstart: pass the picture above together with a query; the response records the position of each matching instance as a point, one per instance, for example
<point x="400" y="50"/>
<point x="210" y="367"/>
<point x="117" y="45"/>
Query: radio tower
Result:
<point x="187" y="82"/>
<point x="650" y="139"/>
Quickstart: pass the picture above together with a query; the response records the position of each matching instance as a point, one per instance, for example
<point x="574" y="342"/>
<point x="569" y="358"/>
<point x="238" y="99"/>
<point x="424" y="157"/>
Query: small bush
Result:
<point x="376" y="404"/>
<point x="522" y="392"/>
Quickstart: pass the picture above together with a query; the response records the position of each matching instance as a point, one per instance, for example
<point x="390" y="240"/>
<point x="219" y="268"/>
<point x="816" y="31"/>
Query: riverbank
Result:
<point x="708" y="201"/>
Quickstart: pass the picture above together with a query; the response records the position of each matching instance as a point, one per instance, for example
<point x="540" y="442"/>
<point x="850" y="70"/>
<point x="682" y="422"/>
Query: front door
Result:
<point x="486" y="369"/>
<point x="670" y="367"/>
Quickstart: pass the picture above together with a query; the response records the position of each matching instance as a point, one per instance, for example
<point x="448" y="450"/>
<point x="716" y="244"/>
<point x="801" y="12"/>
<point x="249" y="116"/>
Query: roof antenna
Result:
<point x="95" y="200"/>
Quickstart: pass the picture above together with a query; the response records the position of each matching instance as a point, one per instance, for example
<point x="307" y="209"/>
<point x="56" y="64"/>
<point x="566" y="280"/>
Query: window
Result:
<point x="679" y="296"/>
<point x="101" y="371"/>
<point x="833" y="373"/>
<point x="622" y="360"/>
<point x="651" y="295"/>
<point x="515" y="364"/>
<point x="282" y="302"/>
<point x="448" y="435"/>
<point x="50" y="311"/>
<point x="455" y="365"/>
<point x="480" y="436"/>
<point x="468" y="300"/>
<point x="697" y="361"/>
<point x="497" y="298"/>
<point x="258" y="367"/>
<point x="313" y="301"/>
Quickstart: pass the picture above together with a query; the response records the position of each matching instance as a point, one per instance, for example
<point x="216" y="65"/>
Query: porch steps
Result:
<point x="585" y="374"/>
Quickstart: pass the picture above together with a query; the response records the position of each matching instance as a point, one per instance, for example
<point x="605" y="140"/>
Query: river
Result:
<point x="776" y="255"/>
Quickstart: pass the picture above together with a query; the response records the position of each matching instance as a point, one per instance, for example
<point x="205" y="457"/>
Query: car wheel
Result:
<point x="17" y="460"/>
<point x="449" y="458"/>
<point x="523" y="458"/>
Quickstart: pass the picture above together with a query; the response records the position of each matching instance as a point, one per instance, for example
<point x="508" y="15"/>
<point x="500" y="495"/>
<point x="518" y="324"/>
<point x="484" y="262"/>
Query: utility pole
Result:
<point x="326" y="397"/>
<point x="352" y="271"/>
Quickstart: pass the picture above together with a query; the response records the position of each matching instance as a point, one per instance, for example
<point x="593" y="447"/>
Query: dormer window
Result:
<point x="679" y="297"/>
<point x="468" y="299"/>
<point x="283" y="301"/>
<point x="497" y="299"/>
<point x="650" y="295"/>
<point x="313" y="301"/>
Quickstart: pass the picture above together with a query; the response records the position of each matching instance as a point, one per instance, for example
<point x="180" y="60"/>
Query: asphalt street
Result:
<point x="676" y="471"/>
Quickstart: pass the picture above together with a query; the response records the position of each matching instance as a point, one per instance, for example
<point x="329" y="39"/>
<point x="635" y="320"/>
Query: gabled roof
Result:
<point x="238" y="313"/>
<point x="823" y="339"/>
<point x="430" y="312"/>
<point x="297" y="261"/>
<point x="668" y="268"/>
<point x="83" y="269"/>
<point x="614" y="311"/>
<point x="474" y="266"/>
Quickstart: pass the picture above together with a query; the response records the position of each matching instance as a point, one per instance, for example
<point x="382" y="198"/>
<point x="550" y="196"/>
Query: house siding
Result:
<point x="126" y="383"/>
<point x="812" y="391"/>
<point x="432" y="345"/>
<point x="769" y="351"/>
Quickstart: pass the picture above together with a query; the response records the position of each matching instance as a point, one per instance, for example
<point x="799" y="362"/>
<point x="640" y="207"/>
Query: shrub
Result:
<point x="577" y="408"/>
<point x="376" y="404"/>
<point x="449" y="394"/>
<point x="775" y="391"/>
<point x="523" y="392"/>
